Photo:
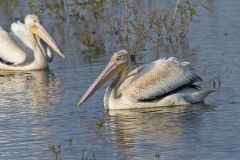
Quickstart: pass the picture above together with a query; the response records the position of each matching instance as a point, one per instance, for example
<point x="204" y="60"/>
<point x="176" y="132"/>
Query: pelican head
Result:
<point x="33" y="25"/>
<point x="119" y="64"/>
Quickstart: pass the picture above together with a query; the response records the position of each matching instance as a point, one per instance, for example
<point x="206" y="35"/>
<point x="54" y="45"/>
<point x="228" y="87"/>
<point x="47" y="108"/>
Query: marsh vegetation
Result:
<point x="135" y="25"/>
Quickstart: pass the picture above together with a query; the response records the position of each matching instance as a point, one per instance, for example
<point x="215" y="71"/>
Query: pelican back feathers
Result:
<point x="158" y="78"/>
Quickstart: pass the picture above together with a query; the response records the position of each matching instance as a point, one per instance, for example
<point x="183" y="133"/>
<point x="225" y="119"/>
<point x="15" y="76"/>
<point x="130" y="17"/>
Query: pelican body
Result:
<point x="27" y="46"/>
<point x="164" y="82"/>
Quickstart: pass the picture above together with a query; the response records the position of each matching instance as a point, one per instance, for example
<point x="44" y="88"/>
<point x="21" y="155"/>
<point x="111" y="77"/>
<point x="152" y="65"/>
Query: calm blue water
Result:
<point x="38" y="108"/>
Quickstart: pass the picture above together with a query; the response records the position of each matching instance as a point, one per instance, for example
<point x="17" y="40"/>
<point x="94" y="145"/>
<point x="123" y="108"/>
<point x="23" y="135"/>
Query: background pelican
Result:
<point x="164" y="82"/>
<point x="23" y="48"/>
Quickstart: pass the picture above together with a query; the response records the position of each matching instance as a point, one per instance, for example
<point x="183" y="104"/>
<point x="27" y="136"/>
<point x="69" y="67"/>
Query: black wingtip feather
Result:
<point x="5" y="62"/>
<point x="197" y="78"/>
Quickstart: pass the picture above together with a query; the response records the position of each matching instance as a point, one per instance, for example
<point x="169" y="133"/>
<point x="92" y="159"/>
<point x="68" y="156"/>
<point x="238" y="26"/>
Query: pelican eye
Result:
<point x="118" y="58"/>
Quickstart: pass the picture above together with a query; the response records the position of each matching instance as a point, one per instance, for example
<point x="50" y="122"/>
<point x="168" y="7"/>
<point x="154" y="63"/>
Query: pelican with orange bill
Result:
<point x="27" y="47"/>
<point x="164" y="82"/>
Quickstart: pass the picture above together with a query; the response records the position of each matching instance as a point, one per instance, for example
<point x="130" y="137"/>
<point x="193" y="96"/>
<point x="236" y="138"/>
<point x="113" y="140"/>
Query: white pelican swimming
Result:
<point x="164" y="82"/>
<point x="24" y="48"/>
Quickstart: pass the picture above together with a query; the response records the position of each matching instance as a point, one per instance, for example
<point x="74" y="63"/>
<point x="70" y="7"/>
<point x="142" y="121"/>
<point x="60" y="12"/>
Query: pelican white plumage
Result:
<point x="164" y="82"/>
<point x="23" y="48"/>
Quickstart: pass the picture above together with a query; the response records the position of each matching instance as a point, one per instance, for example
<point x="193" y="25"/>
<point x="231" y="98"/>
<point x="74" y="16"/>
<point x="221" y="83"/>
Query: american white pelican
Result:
<point x="23" y="48"/>
<point x="164" y="82"/>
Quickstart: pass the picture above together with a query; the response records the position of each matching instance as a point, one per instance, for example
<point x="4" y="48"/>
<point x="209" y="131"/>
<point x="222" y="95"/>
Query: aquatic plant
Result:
<point x="87" y="153"/>
<point x="8" y="7"/>
<point x="125" y="24"/>
<point x="55" y="150"/>
<point x="138" y="26"/>
<point x="102" y="121"/>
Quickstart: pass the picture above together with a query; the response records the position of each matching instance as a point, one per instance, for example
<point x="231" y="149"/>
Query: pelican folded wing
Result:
<point x="10" y="52"/>
<point x="158" y="78"/>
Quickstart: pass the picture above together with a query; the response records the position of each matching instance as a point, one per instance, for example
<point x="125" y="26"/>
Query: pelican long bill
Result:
<point x="40" y="31"/>
<point x="106" y="74"/>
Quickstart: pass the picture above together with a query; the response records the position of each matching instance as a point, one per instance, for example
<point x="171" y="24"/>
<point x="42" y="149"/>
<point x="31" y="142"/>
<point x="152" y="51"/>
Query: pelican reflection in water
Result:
<point x="164" y="82"/>
<point x="35" y="89"/>
<point x="25" y="47"/>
